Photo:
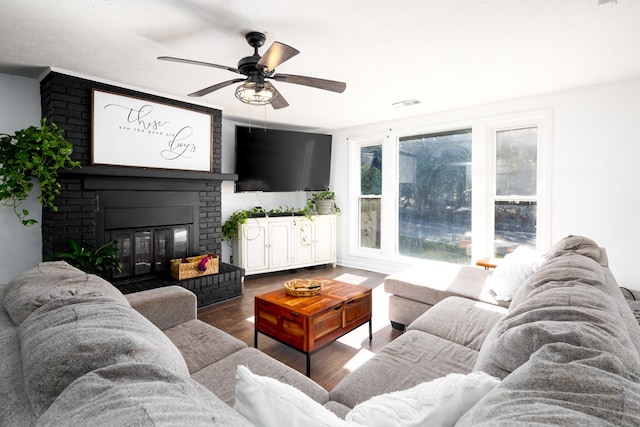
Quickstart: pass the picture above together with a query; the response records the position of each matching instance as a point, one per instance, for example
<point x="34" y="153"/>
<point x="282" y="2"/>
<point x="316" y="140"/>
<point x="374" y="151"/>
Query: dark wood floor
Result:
<point x="329" y="364"/>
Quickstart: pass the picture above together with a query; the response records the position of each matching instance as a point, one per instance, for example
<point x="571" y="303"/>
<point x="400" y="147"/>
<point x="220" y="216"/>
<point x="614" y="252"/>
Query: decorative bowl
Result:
<point x="303" y="287"/>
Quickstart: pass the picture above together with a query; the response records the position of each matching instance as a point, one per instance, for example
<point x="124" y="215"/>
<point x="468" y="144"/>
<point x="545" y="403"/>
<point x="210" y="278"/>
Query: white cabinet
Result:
<point x="325" y="238"/>
<point x="252" y="246"/>
<point x="281" y="243"/>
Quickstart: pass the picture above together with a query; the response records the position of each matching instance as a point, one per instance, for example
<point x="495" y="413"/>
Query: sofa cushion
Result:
<point x="153" y="304"/>
<point x="564" y="301"/>
<point x="460" y="320"/>
<point x="53" y="280"/>
<point x="202" y="344"/>
<point x="412" y="358"/>
<point x="138" y="394"/>
<point x="563" y="385"/>
<point x="578" y="245"/>
<point x="15" y="408"/>
<point x="69" y="337"/>
<point x="220" y="377"/>
<point x="432" y="282"/>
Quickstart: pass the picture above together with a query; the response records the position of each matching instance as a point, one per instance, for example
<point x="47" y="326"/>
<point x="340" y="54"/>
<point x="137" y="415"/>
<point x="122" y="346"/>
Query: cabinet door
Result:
<point x="303" y="245"/>
<point x="253" y="245"/>
<point x="325" y="238"/>
<point x="280" y="244"/>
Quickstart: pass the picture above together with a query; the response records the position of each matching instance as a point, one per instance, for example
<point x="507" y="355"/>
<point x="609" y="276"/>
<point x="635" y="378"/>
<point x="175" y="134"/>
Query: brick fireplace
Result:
<point x="99" y="203"/>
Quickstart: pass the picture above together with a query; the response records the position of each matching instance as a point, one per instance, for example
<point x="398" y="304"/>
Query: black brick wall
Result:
<point x="66" y="101"/>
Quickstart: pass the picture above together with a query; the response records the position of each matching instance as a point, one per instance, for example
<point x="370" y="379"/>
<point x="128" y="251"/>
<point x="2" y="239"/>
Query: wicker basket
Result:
<point x="186" y="270"/>
<point x="303" y="287"/>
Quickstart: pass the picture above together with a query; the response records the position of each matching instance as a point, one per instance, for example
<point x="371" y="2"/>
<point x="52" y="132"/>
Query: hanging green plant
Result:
<point x="230" y="226"/>
<point x="33" y="152"/>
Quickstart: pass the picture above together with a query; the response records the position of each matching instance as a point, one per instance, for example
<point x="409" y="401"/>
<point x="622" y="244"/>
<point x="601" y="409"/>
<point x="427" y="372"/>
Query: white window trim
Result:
<point x="483" y="173"/>
<point x="542" y="119"/>
<point x="353" y="221"/>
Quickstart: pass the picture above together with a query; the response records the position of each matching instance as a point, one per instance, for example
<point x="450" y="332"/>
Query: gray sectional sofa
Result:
<point x="75" y="351"/>
<point x="415" y="290"/>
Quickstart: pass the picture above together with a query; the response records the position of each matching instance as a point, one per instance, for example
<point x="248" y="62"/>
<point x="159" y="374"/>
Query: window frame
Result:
<point x="355" y="146"/>
<point x="483" y="130"/>
<point x="542" y="121"/>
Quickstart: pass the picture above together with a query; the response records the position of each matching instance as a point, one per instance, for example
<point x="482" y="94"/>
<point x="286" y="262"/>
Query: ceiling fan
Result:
<point x="255" y="89"/>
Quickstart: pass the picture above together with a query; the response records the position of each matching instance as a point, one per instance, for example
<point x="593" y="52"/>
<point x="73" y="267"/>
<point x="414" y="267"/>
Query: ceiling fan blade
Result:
<point x="208" y="90"/>
<point x="191" y="61"/>
<point x="278" y="101"/>
<point x="324" y="84"/>
<point x="276" y="55"/>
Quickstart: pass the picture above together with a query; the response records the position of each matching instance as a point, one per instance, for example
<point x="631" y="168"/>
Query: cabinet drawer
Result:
<point x="327" y="322"/>
<point x="293" y="326"/>
<point x="357" y="310"/>
<point x="267" y="319"/>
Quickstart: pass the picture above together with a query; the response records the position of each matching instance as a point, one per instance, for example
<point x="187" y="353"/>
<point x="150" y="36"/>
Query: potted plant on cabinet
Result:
<point x="230" y="226"/>
<point x="33" y="152"/>
<point x="324" y="202"/>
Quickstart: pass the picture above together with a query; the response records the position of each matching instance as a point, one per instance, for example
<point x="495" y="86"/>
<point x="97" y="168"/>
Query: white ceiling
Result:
<point x="445" y="53"/>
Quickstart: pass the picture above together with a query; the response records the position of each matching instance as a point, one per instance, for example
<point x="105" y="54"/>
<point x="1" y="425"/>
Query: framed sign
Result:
<point x="127" y="131"/>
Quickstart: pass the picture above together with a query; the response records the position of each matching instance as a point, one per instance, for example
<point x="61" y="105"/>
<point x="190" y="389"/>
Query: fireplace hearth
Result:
<point x="226" y="284"/>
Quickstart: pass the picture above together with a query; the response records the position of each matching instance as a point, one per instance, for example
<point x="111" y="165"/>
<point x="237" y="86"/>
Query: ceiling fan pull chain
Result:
<point x="265" y="117"/>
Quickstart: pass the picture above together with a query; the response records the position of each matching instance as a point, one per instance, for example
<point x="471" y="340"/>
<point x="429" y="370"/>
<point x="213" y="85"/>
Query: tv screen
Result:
<point x="273" y="160"/>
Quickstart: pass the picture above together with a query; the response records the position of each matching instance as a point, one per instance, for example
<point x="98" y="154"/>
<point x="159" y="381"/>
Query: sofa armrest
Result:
<point x="165" y="307"/>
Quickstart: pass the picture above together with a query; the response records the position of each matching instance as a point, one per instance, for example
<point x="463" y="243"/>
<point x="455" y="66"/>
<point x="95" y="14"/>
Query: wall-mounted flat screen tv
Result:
<point x="273" y="160"/>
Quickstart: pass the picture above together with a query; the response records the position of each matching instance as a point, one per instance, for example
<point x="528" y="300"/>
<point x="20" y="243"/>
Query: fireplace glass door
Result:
<point x="148" y="250"/>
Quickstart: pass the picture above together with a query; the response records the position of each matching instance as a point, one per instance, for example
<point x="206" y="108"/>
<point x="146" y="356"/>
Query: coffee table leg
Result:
<point x="308" y="364"/>
<point x="255" y="338"/>
<point x="370" y="330"/>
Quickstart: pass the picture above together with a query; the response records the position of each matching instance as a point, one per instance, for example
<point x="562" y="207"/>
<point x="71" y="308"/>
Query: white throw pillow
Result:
<point x="267" y="402"/>
<point x="440" y="402"/>
<point x="512" y="271"/>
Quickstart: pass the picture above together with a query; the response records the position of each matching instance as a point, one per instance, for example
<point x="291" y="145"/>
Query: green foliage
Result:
<point x="325" y="194"/>
<point x="230" y="226"/>
<point x="371" y="179"/>
<point x="33" y="152"/>
<point x="99" y="261"/>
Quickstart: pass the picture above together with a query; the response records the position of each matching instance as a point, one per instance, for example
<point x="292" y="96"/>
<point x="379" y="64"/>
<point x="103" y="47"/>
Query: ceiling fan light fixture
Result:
<point x="255" y="93"/>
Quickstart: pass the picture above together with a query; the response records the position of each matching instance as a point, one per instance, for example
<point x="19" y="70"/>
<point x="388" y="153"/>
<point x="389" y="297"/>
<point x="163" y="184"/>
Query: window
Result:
<point x="370" y="200"/>
<point x="434" y="195"/>
<point x="472" y="190"/>
<point x="515" y="199"/>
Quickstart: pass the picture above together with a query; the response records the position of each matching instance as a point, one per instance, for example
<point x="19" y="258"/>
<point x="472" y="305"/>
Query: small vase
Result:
<point x="324" y="206"/>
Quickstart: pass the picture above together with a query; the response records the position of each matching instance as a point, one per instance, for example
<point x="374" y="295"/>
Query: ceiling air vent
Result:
<point x="406" y="103"/>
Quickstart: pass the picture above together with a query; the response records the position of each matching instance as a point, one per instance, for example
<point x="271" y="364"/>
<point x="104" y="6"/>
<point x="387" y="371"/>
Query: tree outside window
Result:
<point x="434" y="205"/>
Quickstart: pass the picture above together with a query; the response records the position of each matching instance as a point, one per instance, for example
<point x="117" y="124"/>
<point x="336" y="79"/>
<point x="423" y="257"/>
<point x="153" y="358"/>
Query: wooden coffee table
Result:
<point x="309" y="323"/>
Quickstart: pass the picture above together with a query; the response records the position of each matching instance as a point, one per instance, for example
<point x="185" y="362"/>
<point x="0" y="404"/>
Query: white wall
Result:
<point x="595" y="172"/>
<point x="20" y="246"/>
